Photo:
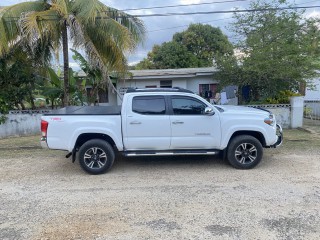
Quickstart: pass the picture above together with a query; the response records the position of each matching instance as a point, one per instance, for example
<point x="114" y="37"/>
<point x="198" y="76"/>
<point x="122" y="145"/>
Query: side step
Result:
<point x="170" y="153"/>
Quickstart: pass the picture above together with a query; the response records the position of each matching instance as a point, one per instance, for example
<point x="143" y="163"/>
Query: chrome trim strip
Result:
<point x="168" y="154"/>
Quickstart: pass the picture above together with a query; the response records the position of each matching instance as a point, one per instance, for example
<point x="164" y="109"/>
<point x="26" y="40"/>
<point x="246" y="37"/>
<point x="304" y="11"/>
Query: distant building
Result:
<point x="201" y="81"/>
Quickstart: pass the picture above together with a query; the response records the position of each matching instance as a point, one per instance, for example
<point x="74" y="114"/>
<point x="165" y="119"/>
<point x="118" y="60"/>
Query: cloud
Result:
<point x="313" y="14"/>
<point x="175" y="24"/>
<point x="189" y="1"/>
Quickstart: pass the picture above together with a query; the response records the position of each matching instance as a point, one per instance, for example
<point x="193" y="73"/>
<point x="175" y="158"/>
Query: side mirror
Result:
<point x="209" y="111"/>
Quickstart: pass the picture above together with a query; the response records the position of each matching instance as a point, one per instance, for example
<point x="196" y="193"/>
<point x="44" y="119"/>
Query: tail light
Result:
<point x="44" y="128"/>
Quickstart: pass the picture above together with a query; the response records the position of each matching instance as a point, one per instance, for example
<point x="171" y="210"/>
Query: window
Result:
<point x="166" y="83"/>
<point x="151" y="86"/>
<point x="190" y="106"/>
<point x="207" y="91"/>
<point x="149" y="105"/>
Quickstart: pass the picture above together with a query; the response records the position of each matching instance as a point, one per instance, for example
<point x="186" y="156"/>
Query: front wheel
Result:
<point x="244" y="152"/>
<point x="96" y="156"/>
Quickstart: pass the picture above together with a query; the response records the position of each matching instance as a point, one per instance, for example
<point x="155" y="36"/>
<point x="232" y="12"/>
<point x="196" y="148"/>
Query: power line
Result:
<point x="222" y="11"/>
<point x="161" y="29"/>
<point x="181" y="5"/>
<point x="187" y="25"/>
<point x="195" y="13"/>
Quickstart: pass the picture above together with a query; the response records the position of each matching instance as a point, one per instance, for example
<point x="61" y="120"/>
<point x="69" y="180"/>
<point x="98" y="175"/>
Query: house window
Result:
<point x="151" y="86"/>
<point x="166" y="83"/>
<point x="207" y="91"/>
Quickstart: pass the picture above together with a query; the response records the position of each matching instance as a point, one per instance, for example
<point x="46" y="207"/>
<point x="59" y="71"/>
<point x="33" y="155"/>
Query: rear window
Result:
<point x="151" y="105"/>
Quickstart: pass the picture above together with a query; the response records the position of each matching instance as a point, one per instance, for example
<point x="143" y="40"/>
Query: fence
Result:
<point x="281" y="111"/>
<point x="22" y="123"/>
<point x="312" y="112"/>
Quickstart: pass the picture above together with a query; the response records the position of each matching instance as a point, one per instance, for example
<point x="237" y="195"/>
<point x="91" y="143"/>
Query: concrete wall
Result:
<point x="281" y="111"/>
<point x="21" y="125"/>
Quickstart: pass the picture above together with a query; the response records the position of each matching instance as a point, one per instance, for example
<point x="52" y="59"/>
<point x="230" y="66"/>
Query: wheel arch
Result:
<point x="84" y="137"/>
<point x="255" y="134"/>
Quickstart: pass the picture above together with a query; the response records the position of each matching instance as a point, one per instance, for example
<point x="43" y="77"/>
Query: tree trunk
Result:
<point x="23" y="107"/>
<point x="65" y="49"/>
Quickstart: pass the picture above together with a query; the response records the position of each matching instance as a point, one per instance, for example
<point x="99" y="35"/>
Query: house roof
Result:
<point x="164" y="73"/>
<point x="171" y="73"/>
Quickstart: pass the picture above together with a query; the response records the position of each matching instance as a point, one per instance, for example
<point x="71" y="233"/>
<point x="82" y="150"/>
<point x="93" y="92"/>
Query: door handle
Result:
<point x="177" y="122"/>
<point x="135" y="122"/>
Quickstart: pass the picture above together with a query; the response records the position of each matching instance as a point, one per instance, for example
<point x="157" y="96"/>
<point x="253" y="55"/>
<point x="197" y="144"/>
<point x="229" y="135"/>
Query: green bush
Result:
<point x="3" y="110"/>
<point x="283" y="97"/>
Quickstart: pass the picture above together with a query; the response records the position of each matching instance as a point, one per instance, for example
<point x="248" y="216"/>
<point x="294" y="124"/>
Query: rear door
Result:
<point x="191" y="128"/>
<point x="147" y="124"/>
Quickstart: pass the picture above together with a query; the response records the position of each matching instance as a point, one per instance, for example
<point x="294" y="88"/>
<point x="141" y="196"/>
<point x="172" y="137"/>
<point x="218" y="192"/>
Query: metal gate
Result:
<point x="311" y="112"/>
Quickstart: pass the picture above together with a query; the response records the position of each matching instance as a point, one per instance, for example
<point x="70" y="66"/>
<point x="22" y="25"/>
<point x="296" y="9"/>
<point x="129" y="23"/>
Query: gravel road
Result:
<point x="44" y="196"/>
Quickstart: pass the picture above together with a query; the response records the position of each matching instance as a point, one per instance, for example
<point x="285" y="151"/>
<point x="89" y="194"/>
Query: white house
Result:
<point x="199" y="80"/>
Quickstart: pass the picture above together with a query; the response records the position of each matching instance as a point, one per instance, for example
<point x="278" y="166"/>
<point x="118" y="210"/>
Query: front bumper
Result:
<point x="43" y="142"/>
<point x="280" y="137"/>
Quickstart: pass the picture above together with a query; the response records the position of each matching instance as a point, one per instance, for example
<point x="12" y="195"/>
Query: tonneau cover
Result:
<point x="86" y="110"/>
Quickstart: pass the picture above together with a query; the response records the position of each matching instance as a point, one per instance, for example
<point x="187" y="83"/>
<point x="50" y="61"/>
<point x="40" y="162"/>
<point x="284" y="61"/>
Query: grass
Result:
<point x="23" y="147"/>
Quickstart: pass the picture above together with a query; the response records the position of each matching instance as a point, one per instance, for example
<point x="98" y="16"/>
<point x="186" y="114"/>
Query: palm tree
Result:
<point x="104" y="33"/>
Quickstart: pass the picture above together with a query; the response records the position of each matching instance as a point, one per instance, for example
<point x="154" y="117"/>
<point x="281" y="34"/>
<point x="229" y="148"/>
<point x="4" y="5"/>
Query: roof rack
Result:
<point x="174" y="89"/>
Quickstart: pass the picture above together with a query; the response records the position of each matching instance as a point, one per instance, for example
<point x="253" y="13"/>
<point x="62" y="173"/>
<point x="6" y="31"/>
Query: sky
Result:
<point x="161" y="29"/>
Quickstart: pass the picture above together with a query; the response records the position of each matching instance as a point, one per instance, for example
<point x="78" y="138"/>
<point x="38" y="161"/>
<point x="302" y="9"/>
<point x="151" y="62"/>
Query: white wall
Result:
<point x="150" y="82"/>
<point x="20" y="125"/>
<point x="281" y="111"/>
<point x="193" y="84"/>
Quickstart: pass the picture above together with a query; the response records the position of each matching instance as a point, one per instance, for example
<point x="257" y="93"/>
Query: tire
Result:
<point x="96" y="156"/>
<point x="244" y="152"/>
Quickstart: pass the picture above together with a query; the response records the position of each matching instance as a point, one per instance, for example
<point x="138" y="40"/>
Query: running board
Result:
<point x="170" y="153"/>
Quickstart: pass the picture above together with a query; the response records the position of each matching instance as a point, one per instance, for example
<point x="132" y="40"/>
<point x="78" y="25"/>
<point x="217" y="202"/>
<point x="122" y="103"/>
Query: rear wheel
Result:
<point x="244" y="152"/>
<point x="96" y="156"/>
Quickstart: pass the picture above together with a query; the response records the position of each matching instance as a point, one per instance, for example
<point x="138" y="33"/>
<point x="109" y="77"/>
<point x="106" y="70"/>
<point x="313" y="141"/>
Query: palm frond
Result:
<point x="9" y="16"/>
<point x="96" y="13"/>
<point x="61" y="7"/>
<point x="40" y="27"/>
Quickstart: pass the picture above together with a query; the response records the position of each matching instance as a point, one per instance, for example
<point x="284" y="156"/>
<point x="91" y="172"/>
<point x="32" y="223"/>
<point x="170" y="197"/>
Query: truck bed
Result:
<point x="86" y="110"/>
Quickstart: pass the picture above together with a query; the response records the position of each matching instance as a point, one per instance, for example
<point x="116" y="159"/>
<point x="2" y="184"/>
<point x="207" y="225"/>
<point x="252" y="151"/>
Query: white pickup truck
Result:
<point x="153" y="122"/>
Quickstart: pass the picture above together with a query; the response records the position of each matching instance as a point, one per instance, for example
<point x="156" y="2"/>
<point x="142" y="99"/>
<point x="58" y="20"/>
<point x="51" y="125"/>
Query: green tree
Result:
<point x="204" y="42"/>
<point x="169" y="55"/>
<point x="18" y="76"/>
<point x="198" y="46"/>
<point x="94" y="78"/>
<point x="105" y="33"/>
<point x="278" y="51"/>
<point x="52" y="88"/>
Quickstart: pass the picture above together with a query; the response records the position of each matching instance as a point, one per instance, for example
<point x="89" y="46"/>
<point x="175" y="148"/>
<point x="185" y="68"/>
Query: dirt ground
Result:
<point x="44" y="196"/>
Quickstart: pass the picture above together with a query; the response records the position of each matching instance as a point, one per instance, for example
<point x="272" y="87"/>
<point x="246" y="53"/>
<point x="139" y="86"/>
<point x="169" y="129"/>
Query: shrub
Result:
<point x="283" y="97"/>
